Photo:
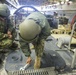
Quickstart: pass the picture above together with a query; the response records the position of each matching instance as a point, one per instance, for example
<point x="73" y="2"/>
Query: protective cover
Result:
<point x="50" y="58"/>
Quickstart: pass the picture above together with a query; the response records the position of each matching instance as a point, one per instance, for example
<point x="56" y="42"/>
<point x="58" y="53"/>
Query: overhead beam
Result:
<point x="10" y="3"/>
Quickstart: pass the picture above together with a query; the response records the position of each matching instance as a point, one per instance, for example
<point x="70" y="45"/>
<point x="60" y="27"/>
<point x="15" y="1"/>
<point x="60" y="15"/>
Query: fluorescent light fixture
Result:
<point x="67" y="0"/>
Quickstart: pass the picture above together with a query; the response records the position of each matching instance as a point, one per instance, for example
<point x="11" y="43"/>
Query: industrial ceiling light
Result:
<point x="67" y="0"/>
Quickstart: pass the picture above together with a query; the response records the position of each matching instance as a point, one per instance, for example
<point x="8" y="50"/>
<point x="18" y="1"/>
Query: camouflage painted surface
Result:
<point x="25" y="47"/>
<point x="5" y="41"/>
<point x="39" y="42"/>
<point x="5" y="25"/>
<point x="39" y="47"/>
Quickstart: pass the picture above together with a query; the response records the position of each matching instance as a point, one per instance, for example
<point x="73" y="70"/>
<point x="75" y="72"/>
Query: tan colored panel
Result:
<point x="56" y="36"/>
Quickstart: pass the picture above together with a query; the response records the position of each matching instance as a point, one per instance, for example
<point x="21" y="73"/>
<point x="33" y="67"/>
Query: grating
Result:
<point x="43" y="71"/>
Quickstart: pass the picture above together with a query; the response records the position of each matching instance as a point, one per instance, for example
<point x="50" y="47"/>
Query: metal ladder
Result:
<point x="71" y="35"/>
<point x="74" y="56"/>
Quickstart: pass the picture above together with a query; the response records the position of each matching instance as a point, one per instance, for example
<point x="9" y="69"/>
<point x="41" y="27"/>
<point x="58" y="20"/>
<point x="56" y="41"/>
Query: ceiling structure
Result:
<point x="40" y="2"/>
<point x="15" y="3"/>
<point x="32" y="2"/>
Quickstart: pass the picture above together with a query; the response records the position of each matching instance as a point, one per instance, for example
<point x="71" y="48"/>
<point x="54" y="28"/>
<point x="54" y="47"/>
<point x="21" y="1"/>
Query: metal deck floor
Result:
<point x="52" y="57"/>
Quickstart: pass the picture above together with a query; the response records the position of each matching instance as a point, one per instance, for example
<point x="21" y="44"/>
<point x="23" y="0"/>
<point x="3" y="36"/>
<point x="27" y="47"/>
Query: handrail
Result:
<point x="71" y="35"/>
